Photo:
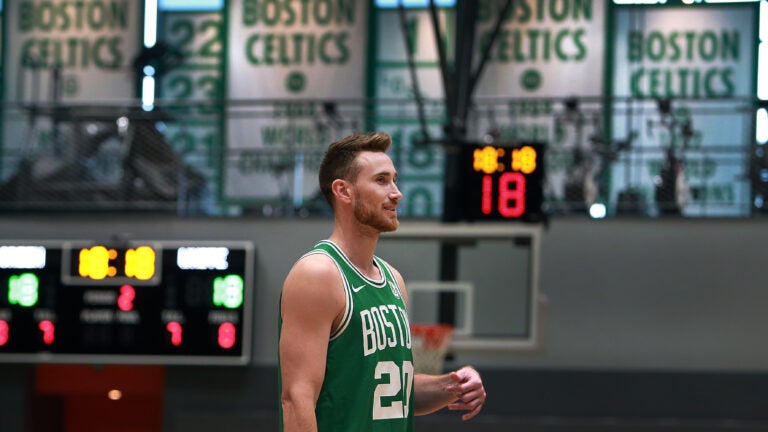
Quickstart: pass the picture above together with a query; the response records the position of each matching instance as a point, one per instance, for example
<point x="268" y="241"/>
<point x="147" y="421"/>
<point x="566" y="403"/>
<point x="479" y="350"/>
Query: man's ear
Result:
<point x="341" y="190"/>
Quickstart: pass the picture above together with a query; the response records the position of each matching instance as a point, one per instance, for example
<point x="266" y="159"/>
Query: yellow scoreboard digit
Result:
<point x="94" y="262"/>
<point x="502" y="183"/>
<point x="116" y="265"/>
<point x="140" y="263"/>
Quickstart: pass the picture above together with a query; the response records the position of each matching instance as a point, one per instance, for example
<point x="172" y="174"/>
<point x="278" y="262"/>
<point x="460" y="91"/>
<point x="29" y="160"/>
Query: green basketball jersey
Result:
<point x="368" y="385"/>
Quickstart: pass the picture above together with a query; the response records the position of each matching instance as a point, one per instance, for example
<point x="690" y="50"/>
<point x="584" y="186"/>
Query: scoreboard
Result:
<point x="502" y="182"/>
<point x="136" y="302"/>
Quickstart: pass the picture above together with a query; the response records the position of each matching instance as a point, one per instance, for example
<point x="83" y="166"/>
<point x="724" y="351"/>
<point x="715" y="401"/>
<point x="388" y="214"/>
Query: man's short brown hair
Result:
<point x="339" y="159"/>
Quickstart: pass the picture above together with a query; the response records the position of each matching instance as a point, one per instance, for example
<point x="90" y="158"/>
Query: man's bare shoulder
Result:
<point x="313" y="287"/>
<point x="313" y="272"/>
<point x="314" y="265"/>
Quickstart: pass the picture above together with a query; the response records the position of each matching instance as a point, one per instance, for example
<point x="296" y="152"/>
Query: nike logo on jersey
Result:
<point x="356" y="289"/>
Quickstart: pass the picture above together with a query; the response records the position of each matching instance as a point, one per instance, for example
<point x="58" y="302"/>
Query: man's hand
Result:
<point x="468" y="388"/>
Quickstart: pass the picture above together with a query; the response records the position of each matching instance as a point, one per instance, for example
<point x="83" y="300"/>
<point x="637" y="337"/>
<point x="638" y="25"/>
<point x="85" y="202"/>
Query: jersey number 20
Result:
<point x="399" y="379"/>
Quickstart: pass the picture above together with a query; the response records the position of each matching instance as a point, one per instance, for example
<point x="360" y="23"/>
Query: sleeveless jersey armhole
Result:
<point x="388" y="274"/>
<point x="347" y="296"/>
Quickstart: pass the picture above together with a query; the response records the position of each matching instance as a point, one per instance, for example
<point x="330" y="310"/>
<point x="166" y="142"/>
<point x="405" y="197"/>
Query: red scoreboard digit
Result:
<point x="502" y="182"/>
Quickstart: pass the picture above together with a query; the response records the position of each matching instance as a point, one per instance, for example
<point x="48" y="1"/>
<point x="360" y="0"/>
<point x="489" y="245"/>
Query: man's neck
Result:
<point x="359" y="245"/>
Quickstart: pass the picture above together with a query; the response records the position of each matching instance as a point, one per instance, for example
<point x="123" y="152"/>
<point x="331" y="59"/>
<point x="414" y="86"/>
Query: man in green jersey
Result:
<point x="345" y="347"/>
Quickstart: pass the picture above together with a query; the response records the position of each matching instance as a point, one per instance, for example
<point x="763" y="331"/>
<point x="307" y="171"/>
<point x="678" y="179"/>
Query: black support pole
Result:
<point x="459" y="80"/>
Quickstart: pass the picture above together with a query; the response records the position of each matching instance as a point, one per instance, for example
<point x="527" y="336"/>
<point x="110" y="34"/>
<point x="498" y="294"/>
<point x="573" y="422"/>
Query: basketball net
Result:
<point x="429" y="343"/>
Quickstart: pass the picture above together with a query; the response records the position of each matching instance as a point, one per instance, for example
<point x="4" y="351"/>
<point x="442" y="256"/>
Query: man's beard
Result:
<point x="375" y="220"/>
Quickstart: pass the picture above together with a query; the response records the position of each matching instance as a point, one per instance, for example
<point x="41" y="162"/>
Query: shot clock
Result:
<point x="154" y="302"/>
<point x="502" y="182"/>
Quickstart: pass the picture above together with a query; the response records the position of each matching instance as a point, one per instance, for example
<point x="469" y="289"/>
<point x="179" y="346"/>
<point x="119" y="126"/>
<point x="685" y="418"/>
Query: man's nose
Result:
<point x="396" y="194"/>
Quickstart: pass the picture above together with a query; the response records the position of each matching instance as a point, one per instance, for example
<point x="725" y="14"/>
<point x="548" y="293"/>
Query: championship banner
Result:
<point x="84" y="48"/>
<point x="58" y="53"/>
<point x="300" y="54"/>
<point x="543" y="49"/>
<point x="682" y="80"/>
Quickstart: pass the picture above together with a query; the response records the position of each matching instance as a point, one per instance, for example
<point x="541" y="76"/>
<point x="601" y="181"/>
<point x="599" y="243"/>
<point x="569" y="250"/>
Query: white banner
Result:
<point x="544" y="49"/>
<point x="64" y="52"/>
<point x="679" y="75"/>
<point x="289" y="51"/>
<point x="91" y="44"/>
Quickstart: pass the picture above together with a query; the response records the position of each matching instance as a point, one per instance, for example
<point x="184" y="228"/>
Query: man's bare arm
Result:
<point x="312" y="299"/>
<point x="460" y="390"/>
